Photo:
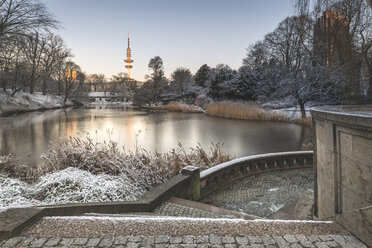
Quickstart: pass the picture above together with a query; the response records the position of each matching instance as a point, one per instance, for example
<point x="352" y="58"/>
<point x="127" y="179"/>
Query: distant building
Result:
<point x="332" y="43"/>
<point x="333" y="48"/>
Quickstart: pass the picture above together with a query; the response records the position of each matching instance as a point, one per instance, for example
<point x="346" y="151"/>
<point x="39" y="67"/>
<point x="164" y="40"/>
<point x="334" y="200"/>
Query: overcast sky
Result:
<point x="185" y="33"/>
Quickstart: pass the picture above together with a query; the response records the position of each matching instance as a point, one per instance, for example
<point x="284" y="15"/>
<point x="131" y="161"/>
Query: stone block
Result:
<point x="326" y="197"/>
<point x="356" y="177"/>
<point x="361" y="149"/>
<point x="359" y="222"/>
<point x="351" y="201"/>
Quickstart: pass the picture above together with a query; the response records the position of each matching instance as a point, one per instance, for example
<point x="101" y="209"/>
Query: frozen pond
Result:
<point x="28" y="135"/>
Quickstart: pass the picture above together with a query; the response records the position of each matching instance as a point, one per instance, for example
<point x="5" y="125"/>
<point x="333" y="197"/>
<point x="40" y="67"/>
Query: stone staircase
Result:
<point x="180" y="223"/>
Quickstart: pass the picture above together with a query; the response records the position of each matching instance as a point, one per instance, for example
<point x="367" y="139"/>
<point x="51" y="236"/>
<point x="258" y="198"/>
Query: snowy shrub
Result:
<point x="202" y="101"/>
<point x="81" y="170"/>
<point x="66" y="186"/>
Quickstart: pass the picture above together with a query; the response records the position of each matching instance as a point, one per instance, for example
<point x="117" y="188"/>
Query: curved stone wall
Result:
<point x="222" y="174"/>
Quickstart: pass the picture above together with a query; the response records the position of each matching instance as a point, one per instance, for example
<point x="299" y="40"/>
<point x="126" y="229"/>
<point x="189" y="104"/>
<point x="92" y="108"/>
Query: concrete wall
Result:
<point x="343" y="167"/>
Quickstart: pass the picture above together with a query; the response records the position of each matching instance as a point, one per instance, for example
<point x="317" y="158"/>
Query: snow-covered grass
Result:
<point x="23" y="101"/>
<point x="81" y="170"/>
<point x="243" y="111"/>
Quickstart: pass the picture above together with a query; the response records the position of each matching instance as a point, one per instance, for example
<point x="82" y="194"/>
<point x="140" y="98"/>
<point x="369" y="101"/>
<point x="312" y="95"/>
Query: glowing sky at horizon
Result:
<point x="183" y="33"/>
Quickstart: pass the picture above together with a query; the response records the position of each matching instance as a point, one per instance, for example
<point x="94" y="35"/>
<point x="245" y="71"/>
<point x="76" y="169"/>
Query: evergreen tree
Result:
<point x="202" y="75"/>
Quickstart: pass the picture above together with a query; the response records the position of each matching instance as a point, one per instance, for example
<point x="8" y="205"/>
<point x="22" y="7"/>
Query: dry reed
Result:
<point x="243" y="111"/>
<point x="308" y="122"/>
<point x="178" y="107"/>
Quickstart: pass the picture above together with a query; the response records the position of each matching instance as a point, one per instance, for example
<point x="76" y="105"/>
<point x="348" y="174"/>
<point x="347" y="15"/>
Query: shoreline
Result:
<point x="24" y="111"/>
<point x="23" y="102"/>
<point x="185" y="108"/>
<point x="172" y="107"/>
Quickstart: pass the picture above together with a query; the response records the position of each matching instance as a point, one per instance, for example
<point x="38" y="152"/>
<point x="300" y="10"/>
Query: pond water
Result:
<point x="29" y="135"/>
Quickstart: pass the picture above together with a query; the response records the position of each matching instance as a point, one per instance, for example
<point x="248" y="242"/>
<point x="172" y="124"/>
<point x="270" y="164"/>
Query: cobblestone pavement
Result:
<point x="262" y="195"/>
<point x="266" y="241"/>
<point x="173" y="209"/>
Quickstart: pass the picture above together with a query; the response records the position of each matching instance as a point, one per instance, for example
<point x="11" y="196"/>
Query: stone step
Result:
<point x="122" y="225"/>
<point x="267" y="241"/>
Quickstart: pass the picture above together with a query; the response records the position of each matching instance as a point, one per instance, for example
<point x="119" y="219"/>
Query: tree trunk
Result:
<point x="156" y="94"/>
<point x="32" y="84"/>
<point x="302" y="107"/>
<point x="44" y="85"/>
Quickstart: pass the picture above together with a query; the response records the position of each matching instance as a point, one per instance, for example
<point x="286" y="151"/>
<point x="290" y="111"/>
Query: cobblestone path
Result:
<point x="173" y="209"/>
<point x="265" y="241"/>
<point x="262" y="195"/>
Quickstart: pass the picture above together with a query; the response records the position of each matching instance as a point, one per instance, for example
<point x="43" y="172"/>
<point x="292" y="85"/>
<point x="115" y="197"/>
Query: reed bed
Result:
<point x="243" y="111"/>
<point x="178" y="107"/>
<point x="182" y="107"/>
<point x="308" y="122"/>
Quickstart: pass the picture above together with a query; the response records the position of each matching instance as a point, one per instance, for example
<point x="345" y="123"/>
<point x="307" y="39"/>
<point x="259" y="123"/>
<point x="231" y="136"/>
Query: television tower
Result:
<point x="128" y="60"/>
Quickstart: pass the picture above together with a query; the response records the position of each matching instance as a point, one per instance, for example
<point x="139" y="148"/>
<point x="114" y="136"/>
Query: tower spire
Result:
<point x="128" y="60"/>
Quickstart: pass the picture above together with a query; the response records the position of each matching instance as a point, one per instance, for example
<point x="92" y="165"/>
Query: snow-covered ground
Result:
<point x="292" y="113"/>
<point x="23" y="101"/>
<point x="67" y="186"/>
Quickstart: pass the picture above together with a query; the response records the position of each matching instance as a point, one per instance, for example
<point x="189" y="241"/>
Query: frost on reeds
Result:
<point x="147" y="169"/>
<point x="82" y="170"/>
<point x="182" y="107"/>
<point x="243" y="111"/>
<point x="179" y="107"/>
<point x="10" y="166"/>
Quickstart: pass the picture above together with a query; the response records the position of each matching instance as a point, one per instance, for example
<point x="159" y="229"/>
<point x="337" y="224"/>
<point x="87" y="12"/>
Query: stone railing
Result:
<point x="184" y="185"/>
<point x="189" y="184"/>
<point x="222" y="174"/>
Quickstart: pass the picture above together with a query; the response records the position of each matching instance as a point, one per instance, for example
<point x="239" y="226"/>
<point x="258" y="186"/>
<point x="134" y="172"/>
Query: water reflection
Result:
<point x="28" y="135"/>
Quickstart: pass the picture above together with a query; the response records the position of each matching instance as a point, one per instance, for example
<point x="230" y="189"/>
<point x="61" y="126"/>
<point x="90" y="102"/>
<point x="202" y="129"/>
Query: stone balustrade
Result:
<point x="222" y="174"/>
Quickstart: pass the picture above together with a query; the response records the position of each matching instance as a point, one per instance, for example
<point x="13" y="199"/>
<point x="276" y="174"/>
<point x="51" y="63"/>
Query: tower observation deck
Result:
<point x="128" y="60"/>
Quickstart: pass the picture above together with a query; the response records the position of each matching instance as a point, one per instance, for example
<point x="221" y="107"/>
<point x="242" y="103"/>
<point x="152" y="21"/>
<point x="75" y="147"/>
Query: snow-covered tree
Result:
<point x="285" y="66"/>
<point x="219" y="83"/>
<point x="181" y="81"/>
<point x="157" y="76"/>
<point x="202" y="75"/>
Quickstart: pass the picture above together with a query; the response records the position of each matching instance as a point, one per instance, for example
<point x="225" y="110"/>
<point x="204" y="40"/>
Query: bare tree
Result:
<point x="34" y="47"/>
<point x="286" y="64"/>
<point x="358" y="18"/>
<point x="20" y="17"/>
<point x="55" y="52"/>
